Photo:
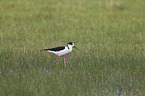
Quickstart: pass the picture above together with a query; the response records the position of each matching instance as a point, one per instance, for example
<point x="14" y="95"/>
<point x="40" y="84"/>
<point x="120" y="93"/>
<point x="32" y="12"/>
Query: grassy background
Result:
<point x="109" y="33"/>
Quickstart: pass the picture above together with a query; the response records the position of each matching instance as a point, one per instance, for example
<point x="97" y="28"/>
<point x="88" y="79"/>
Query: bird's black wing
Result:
<point x="56" y="49"/>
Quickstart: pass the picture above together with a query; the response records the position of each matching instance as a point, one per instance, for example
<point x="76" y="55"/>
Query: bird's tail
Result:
<point x="48" y="50"/>
<point x="43" y="49"/>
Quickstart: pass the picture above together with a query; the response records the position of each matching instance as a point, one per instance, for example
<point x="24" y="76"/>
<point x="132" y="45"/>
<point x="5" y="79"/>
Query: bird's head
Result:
<point x="71" y="44"/>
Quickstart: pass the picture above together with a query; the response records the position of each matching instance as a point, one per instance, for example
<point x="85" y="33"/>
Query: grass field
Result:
<point x="109" y="33"/>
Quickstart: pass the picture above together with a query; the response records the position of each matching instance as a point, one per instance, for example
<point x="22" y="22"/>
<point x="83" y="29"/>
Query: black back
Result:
<point x="56" y="49"/>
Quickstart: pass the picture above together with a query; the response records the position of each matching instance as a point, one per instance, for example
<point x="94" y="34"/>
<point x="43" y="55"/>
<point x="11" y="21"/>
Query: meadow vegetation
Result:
<point x="109" y="33"/>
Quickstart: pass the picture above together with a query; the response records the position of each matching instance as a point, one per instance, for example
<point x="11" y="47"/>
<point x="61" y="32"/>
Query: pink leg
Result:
<point x="54" y="63"/>
<point x="64" y="62"/>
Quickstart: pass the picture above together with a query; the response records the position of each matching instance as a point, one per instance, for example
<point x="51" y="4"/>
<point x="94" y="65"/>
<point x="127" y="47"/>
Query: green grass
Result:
<point x="109" y="33"/>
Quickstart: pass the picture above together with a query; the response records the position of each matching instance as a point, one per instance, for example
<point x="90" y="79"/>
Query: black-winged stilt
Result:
<point x="61" y="51"/>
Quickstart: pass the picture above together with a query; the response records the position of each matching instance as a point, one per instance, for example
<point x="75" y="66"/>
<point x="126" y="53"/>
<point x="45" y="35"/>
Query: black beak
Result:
<point x="76" y="47"/>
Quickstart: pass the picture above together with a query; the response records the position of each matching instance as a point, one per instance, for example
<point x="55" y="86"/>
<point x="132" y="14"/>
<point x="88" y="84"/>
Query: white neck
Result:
<point x="70" y="47"/>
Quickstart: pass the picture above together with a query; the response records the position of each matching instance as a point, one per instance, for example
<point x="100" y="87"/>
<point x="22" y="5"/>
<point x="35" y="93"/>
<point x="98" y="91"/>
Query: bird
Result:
<point x="61" y="51"/>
